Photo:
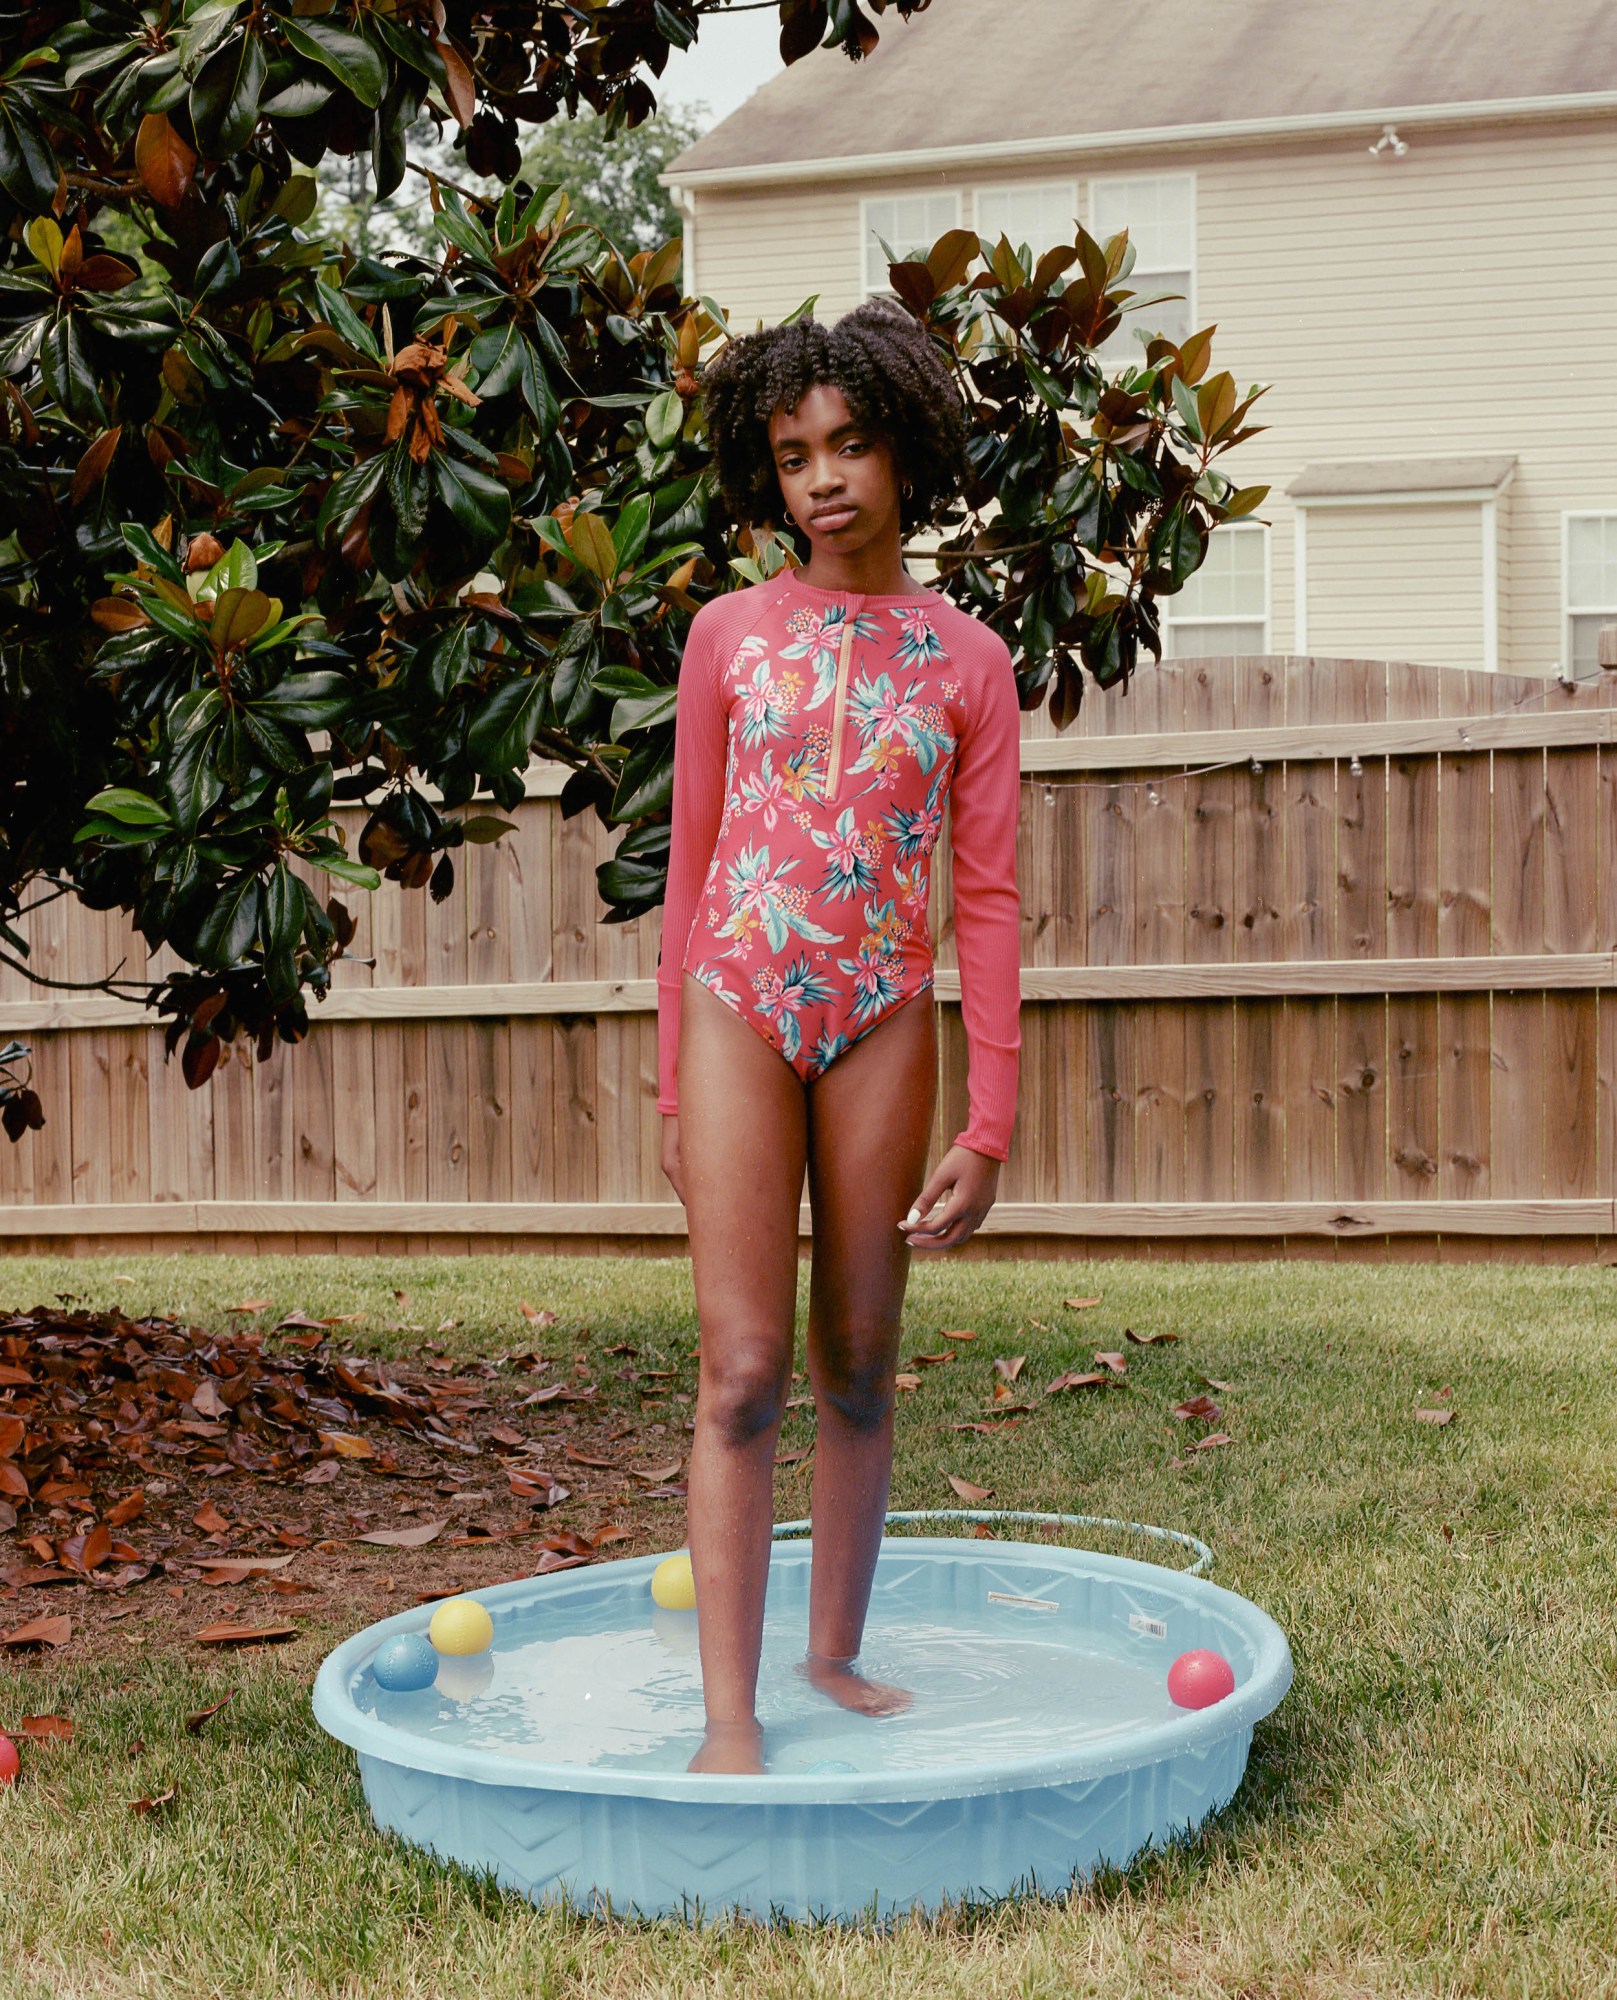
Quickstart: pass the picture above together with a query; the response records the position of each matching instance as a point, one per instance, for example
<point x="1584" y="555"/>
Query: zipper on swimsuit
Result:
<point x="833" y="772"/>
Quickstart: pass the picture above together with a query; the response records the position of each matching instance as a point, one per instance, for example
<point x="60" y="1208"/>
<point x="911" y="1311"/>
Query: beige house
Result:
<point x="1403" y="216"/>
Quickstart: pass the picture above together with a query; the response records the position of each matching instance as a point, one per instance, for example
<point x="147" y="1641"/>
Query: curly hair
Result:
<point x="892" y="376"/>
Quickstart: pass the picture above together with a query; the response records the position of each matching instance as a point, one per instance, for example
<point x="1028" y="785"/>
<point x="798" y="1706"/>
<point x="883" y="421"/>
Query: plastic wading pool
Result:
<point x="1041" y="1742"/>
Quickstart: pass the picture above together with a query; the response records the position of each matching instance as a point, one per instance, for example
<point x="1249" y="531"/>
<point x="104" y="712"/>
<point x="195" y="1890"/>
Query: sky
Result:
<point x="732" y="56"/>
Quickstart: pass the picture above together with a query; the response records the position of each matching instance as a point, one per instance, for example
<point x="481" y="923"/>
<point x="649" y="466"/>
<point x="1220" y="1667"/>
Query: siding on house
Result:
<point x="1410" y="589"/>
<point x="1460" y="300"/>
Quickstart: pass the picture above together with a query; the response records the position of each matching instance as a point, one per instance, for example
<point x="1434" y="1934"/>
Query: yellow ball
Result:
<point x="672" y="1584"/>
<point x="460" y="1625"/>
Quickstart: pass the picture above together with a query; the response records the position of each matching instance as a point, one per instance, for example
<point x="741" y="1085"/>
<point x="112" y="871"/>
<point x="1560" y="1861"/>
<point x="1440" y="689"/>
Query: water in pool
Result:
<point x="630" y="1698"/>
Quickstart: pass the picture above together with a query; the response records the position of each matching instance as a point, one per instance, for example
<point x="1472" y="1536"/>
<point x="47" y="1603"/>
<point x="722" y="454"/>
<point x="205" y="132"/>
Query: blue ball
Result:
<point x="405" y="1663"/>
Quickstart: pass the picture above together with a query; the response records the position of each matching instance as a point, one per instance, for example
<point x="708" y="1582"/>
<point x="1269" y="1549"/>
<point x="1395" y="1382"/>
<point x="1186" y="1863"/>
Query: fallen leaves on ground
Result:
<point x="974" y="1495"/>
<point x="1008" y="1366"/>
<point x="42" y="1728"/>
<point x="1433" y="1416"/>
<point x="404" y="1538"/>
<point x="1211" y="1443"/>
<point x="52" y="1631"/>
<point x="903" y="1381"/>
<point x="1080" y="1305"/>
<point x="162" y="1804"/>
<point x="1202" y="1407"/>
<point x="930" y="1360"/>
<point x="229" y="1633"/>
<point x="1116" y="1362"/>
<point x="1149" y="1339"/>
<point x="959" y="1333"/>
<point x="194" y="1723"/>
<point x="1078" y="1378"/>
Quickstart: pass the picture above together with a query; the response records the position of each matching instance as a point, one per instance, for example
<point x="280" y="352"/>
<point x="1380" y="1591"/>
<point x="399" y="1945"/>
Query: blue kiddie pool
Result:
<point x="1041" y="1742"/>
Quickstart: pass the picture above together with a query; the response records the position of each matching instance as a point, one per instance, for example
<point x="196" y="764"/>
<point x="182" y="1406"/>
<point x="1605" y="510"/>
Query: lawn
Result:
<point x="1432" y="1810"/>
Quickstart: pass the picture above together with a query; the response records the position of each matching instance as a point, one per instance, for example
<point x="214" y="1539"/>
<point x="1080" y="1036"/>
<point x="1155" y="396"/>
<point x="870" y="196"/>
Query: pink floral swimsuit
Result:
<point x="819" y="736"/>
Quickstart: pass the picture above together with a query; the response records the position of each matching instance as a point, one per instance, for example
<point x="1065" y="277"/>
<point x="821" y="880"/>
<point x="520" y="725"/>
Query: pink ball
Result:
<point x="10" y="1762"/>
<point x="1198" y="1679"/>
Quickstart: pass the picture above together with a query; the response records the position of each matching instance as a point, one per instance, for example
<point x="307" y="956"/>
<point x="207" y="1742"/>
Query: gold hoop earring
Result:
<point x="790" y="516"/>
<point x="907" y="490"/>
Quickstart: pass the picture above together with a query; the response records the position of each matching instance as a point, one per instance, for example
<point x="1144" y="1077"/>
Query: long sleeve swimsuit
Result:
<point x="818" y="737"/>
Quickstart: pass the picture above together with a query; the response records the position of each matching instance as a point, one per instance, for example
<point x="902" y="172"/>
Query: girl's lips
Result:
<point x="832" y="518"/>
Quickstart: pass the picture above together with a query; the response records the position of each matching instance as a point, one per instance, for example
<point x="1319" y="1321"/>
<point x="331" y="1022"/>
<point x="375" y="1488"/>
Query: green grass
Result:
<point x="1432" y="1810"/>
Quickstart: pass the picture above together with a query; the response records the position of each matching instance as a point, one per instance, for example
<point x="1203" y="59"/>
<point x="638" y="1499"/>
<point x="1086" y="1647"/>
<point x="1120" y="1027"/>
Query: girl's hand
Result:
<point x="670" y="1153"/>
<point x="970" y="1181"/>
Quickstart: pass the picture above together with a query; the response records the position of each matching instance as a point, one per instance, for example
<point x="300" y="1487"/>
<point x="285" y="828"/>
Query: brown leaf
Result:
<point x="51" y="1631"/>
<point x="251" y="1306"/>
<point x="1077" y="1379"/>
<point x="660" y="1475"/>
<point x="237" y="1569"/>
<point x="129" y="1508"/>
<point x="959" y="1333"/>
<point x="539" y="1315"/>
<point x="162" y="1804"/>
<point x="1008" y="1366"/>
<point x="230" y="1634"/>
<point x="208" y="1402"/>
<point x="163" y="160"/>
<point x="460" y="92"/>
<point x="538" y="1487"/>
<point x="89" y="1551"/>
<point x="974" y="1495"/>
<point x="1433" y="1416"/>
<point x="1210" y="1443"/>
<point x="906" y="1382"/>
<point x="794" y="1457"/>
<point x="593" y="1459"/>
<point x="208" y="1518"/>
<point x="194" y="1723"/>
<point x="12" y="1432"/>
<point x="404" y="1538"/>
<point x="504" y="1434"/>
<point x="1116" y="1362"/>
<point x="43" y="1728"/>
<point x="1202" y="1407"/>
<point x="611" y="1531"/>
<point x="300" y="1319"/>
<point x="988" y="1426"/>
<point x="346" y="1446"/>
<point x="1213" y="1382"/>
<point x="1149" y="1339"/>
<point x="322" y="1474"/>
<point x="929" y="1360"/>
<point x="12" y="1480"/>
<point x="1080" y="1305"/>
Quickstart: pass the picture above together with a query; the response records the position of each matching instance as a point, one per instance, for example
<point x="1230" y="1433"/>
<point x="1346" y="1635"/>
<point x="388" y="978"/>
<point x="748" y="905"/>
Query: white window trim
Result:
<point x="1568" y="611"/>
<point x="865" y="291"/>
<point x="1070" y="188"/>
<point x="1137" y="277"/>
<point x="1169" y="620"/>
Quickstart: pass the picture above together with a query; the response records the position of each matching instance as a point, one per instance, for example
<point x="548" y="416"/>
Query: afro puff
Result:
<point x="892" y="377"/>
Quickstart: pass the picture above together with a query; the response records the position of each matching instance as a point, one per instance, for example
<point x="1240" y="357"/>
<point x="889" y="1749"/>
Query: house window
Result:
<point x="1224" y="607"/>
<point x="1159" y="213"/>
<point x="909" y="222"/>
<point x="1037" y="213"/>
<point x="1591" y="586"/>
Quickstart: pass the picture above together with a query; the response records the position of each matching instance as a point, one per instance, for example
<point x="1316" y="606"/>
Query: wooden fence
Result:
<point x="1319" y="959"/>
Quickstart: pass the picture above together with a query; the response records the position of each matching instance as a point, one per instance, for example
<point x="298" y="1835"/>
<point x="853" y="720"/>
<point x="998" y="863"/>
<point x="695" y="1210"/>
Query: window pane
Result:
<point x="1171" y="316"/>
<point x="1586" y="641"/>
<point x="1155" y="209"/>
<point x="909" y="223"/>
<point x="1230" y="582"/>
<point x="1591" y="565"/>
<point x="1037" y="215"/>
<point x="1189" y="642"/>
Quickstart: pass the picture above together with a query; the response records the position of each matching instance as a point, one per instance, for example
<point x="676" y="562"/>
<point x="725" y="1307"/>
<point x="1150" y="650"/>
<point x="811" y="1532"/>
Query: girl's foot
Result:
<point x="837" y="1680"/>
<point x="730" y="1747"/>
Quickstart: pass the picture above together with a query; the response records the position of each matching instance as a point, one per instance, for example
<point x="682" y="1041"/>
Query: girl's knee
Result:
<point x="743" y="1396"/>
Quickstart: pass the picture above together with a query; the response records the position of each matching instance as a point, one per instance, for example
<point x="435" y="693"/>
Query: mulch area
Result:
<point x="164" y="1487"/>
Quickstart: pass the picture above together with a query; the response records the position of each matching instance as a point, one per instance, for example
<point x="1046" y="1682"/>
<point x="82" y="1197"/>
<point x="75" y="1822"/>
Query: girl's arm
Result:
<point x="984" y="801"/>
<point x="700" y="750"/>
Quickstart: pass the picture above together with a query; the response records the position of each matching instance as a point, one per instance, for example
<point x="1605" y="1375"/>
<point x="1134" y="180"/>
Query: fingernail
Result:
<point x="913" y="1216"/>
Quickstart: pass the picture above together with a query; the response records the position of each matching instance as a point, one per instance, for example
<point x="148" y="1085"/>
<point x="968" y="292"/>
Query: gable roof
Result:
<point x="992" y="78"/>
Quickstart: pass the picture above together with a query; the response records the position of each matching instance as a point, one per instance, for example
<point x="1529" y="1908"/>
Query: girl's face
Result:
<point x="837" y="477"/>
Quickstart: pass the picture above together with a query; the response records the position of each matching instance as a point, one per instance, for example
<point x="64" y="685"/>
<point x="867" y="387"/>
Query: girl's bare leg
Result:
<point x="870" y="1122"/>
<point x="743" y="1145"/>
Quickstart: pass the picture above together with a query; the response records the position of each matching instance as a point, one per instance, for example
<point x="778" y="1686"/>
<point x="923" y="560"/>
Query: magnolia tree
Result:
<point x="285" y="525"/>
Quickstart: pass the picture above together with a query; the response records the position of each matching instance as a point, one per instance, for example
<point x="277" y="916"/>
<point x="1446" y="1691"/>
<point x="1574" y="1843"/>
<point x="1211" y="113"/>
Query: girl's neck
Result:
<point x="876" y="570"/>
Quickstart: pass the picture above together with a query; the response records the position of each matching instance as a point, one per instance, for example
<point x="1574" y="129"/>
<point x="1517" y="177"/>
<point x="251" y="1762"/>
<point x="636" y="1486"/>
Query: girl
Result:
<point x="824" y="719"/>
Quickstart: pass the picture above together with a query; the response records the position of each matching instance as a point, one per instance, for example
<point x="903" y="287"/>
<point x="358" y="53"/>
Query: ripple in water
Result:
<point x="632" y="1700"/>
